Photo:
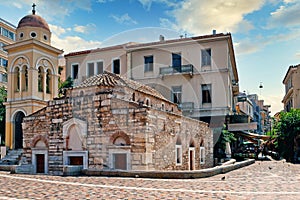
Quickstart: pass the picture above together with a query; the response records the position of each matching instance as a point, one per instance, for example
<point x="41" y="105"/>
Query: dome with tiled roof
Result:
<point x="33" y="27"/>
<point x="33" y="21"/>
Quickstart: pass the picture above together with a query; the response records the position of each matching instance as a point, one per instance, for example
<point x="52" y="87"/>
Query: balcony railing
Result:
<point x="186" y="106"/>
<point x="178" y="69"/>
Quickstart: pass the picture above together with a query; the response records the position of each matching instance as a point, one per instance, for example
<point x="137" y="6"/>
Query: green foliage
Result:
<point x="225" y="137"/>
<point x="3" y="96"/>
<point x="63" y="85"/>
<point x="287" y="128"/>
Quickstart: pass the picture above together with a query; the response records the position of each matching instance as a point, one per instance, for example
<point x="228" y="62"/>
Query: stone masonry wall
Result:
<point x="150" y="129"/>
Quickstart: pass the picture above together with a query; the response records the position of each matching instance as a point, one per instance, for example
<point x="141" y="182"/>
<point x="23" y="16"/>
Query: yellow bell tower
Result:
<point x="32" y="75"/>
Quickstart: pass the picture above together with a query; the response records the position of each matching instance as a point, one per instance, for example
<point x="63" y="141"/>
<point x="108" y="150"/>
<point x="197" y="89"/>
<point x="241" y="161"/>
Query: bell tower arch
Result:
<point x="32" y="74"/>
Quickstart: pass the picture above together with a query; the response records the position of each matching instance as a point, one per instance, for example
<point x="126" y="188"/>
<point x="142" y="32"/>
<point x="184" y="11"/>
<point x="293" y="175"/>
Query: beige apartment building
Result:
<point x="7" y="36"/>
<point x="198" y="73"/>
<point x="291" y="81"/>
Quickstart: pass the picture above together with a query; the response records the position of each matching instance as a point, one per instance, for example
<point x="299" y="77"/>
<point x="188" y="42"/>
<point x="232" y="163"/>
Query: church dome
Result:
<point x="33" y="21"/>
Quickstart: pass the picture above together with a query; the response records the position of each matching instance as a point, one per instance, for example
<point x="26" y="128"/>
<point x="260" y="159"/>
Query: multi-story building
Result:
<point x="291" y="81"/>
<point x="7" y="36"/>
<point x="197" y="73"/>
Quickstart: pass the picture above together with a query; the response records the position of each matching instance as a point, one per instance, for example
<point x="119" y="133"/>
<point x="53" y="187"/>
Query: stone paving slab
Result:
<point x="262" y="180"/>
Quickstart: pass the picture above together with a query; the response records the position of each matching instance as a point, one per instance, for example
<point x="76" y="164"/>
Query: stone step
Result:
<point x="12" y="157"/>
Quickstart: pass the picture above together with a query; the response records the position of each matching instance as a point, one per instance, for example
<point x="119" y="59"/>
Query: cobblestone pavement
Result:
<point x="262" y="180"/>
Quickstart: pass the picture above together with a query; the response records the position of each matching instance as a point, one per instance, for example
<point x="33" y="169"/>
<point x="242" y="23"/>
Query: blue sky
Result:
<point x="266" y="33"/>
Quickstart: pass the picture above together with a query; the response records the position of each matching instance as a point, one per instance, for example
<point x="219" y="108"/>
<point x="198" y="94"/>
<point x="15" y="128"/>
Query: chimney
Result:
<point x="214" y="32"/>
<point x="161" y="38"/>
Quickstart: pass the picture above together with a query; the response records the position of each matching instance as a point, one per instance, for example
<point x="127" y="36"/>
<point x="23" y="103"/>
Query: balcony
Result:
<point x="186" y="107"/>
<point x="183" y="69"/>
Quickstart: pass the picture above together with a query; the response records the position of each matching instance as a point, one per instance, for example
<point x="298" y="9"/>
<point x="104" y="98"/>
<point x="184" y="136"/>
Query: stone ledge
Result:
<point x="10" y="168"/>
<point x="170" y="174"/>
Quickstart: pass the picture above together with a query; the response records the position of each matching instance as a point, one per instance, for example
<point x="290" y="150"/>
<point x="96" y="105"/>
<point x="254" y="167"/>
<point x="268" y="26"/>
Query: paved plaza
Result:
<point x="262" y="180"/>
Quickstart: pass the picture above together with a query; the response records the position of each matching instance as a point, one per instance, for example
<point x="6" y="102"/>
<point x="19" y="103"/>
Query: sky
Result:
<point x="266" y="33"/>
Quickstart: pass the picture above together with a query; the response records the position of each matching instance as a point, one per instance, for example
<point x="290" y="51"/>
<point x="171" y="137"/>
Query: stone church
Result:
<point x="107" y="122"/>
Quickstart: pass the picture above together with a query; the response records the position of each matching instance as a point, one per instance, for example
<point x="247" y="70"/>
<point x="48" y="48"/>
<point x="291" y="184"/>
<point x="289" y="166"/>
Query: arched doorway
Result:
<point x="18" y="132"/>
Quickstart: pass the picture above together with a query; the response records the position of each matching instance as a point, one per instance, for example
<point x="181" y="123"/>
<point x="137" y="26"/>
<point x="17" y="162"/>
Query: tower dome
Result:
<point x="33" y="21"/>
<point x="33" y="26"/>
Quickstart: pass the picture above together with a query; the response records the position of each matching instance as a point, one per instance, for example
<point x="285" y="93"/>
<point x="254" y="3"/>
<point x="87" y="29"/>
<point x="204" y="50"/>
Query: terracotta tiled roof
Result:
<point x="33" y="21"/>
<point x="111" y="79"/>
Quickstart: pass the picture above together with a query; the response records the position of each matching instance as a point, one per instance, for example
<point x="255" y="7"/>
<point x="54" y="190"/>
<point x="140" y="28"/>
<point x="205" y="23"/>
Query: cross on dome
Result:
<point x="33" y="8"/>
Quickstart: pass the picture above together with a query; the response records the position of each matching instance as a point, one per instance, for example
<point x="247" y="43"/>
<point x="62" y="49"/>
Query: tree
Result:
<point x="225" y="137"/>
<point x="288" y="127"/>
<point x="3" y="96"/>
<point x="63" y="85"/>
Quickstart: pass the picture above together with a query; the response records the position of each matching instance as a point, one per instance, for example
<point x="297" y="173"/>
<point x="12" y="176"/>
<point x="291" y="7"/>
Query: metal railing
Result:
<point x="189" y="68"/>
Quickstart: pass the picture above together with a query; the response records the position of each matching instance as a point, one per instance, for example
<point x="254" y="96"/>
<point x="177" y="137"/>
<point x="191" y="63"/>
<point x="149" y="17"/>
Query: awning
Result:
<point x="252" y="135"/>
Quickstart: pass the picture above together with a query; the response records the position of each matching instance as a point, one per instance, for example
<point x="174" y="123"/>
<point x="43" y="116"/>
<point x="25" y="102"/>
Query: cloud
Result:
<point x="124" y="19"/>
<point x="201" y="17"/>
<point x="62" y="38"/>
<point x="58" y="30"/>
<point x="274" y="101"/>
<point x="148" y="3"/>
<point x="50" y="10"/>
<point x="286" y="15"/>
<point x="85" y="29"/>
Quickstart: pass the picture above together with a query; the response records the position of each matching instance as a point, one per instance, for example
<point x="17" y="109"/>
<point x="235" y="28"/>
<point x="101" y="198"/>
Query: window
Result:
<point x="202" y="155"/>
<point x="24" y="78"/>
<point x="40" y="80"/>
<point x="48" y="82"/>
<point x="178" y="154"/>
<point x="2" y="45"/>
<point x="100" y="67"/>
<point x="178" y="151"/>
<point x="206" y="57"/>
<point x="4" y="32"/>
<point x="75" y="71"/>
<point x="148" y="61"/>
<point x="176" y="94"/>
<point x="90" y="69"/>
<point x="206" y="93"/>
<point x="3" y="62"/>
<point x="116" y="66"/>
<point x="176" y="60"/>
<point x="33" y="34"/>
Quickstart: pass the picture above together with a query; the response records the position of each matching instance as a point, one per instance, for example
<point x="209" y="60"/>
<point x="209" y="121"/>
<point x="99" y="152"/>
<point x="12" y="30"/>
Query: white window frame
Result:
<point x="88" y="70"/>
<point x="34" y="152"/>
<point x="96" y="66"/>
<point x="125" y="150"/>
<point x="178" y="146"/>
<point x="202" y="159"/>
<point x="67" y="154"/>
<point x="193" y="158"/>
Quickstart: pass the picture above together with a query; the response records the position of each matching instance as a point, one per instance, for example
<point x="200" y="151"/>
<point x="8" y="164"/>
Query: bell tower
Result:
<point x="32" y="74"/>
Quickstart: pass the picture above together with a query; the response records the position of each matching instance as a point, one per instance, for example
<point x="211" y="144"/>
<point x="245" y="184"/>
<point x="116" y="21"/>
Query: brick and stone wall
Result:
<point x="149" y="126"/>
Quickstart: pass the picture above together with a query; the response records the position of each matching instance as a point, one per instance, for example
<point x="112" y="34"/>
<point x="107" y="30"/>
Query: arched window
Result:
<point x="17" y="79"/>
<point x="147" y="102"/>
<point x="120" y="141"/>
<point x="40" y="80"/>
<point x="48" y="81"/>
<point x="178" y="152"/>
<point x="24" y="78"/>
